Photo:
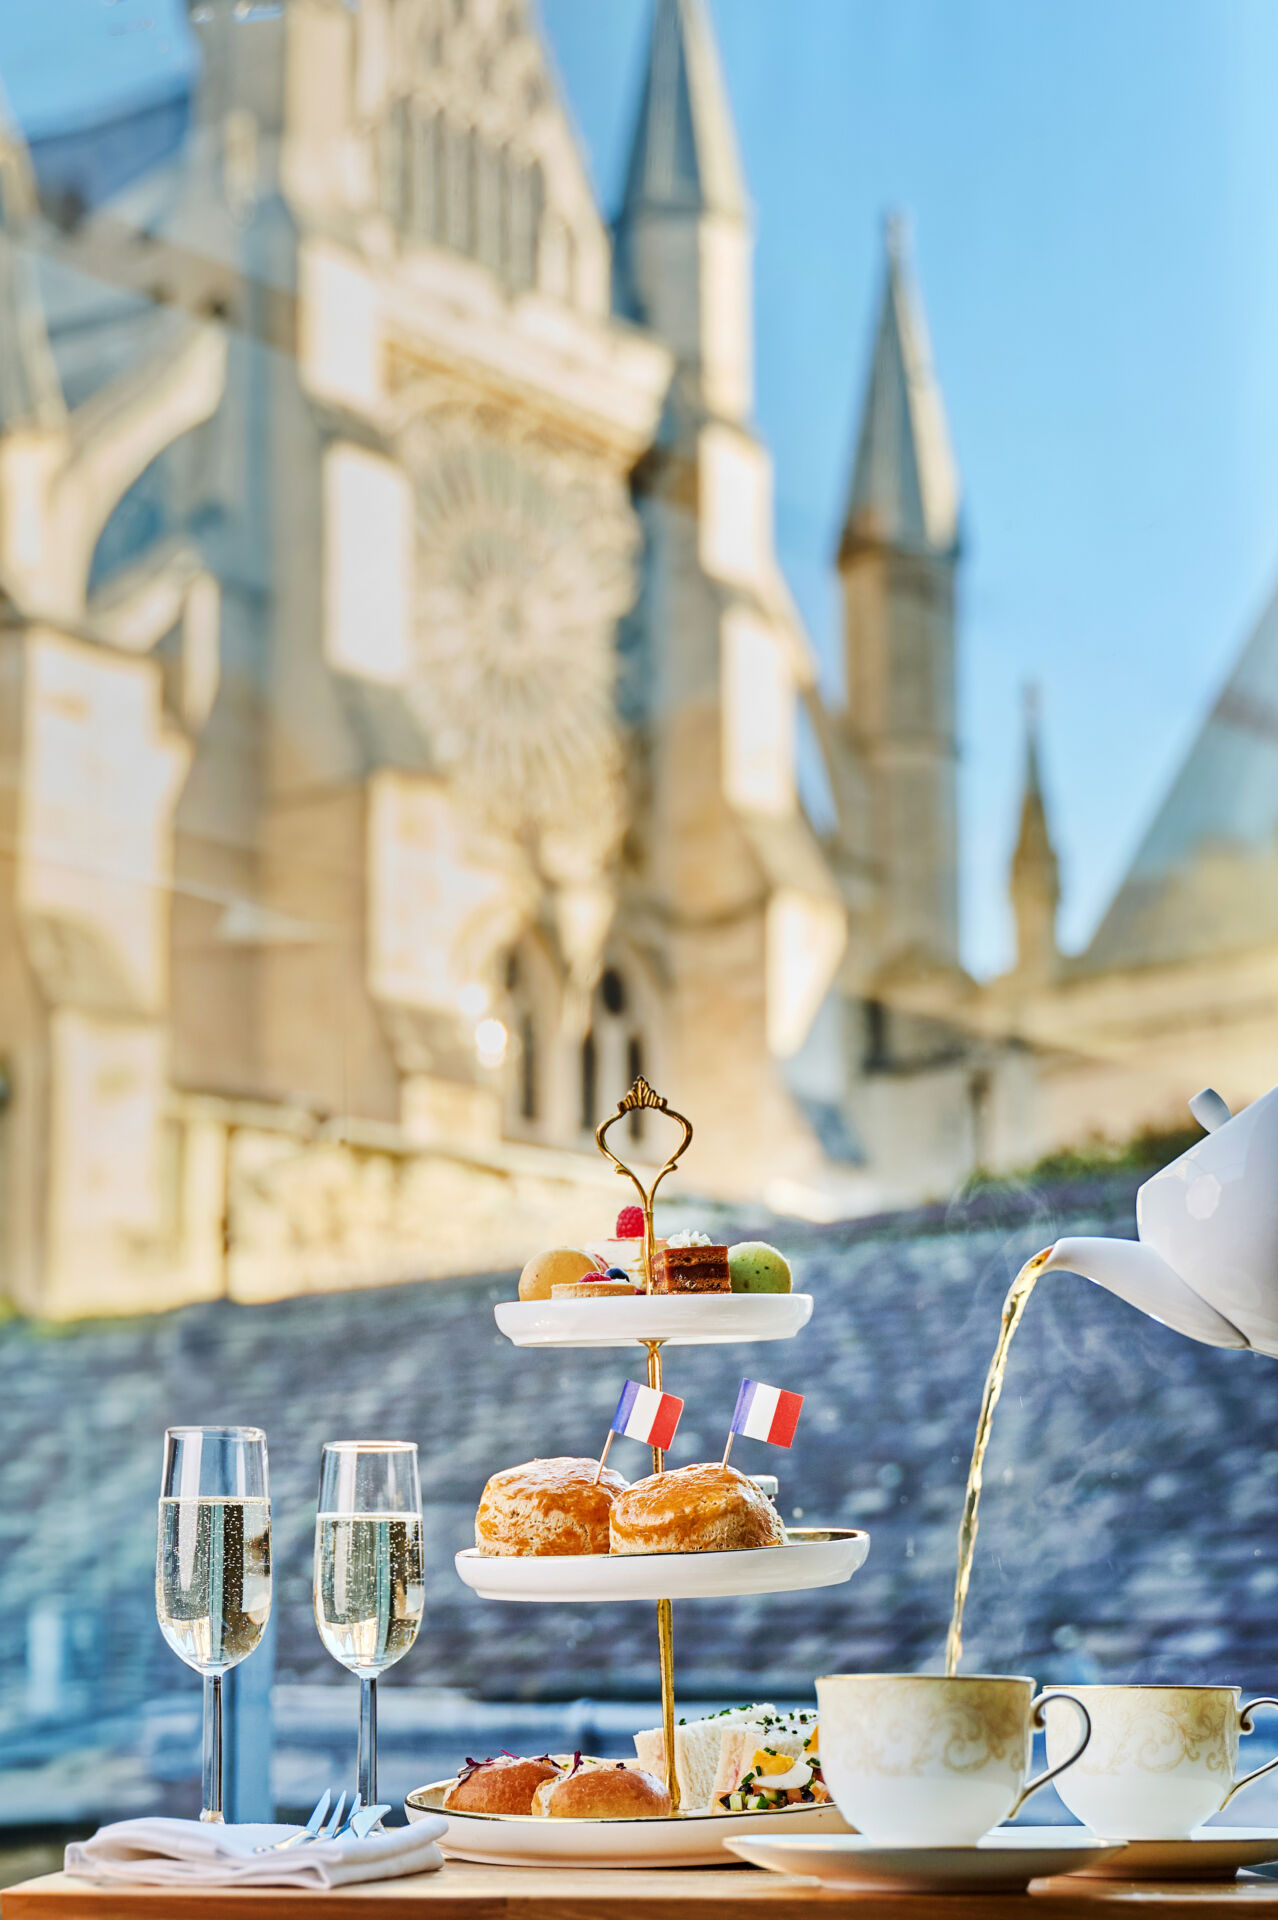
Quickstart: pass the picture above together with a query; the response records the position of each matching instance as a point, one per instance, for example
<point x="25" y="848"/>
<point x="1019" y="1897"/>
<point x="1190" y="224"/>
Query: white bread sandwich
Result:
<point x="777" y="1766"/>
<point x="699" y="1746"/>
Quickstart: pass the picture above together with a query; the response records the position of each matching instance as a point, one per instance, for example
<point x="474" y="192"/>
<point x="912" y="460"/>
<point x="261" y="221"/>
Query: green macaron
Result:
<point x="755" y="1267"/>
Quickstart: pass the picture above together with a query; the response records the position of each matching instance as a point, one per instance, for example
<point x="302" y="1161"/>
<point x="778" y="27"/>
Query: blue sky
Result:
<point x="1093" y="193"/>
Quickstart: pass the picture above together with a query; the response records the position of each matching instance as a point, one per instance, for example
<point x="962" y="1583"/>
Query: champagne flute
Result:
<point x="369" y="1585"/>
<point x="213" y="1565"/>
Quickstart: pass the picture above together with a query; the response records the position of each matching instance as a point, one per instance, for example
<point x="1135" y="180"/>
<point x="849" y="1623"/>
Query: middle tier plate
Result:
<point x="678" y="1320"/>
<point x="813" y="1557"/>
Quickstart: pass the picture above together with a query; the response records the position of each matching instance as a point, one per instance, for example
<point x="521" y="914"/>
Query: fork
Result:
<point x="316" y="1827"/>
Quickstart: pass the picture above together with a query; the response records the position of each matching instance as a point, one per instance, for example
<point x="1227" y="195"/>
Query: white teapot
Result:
<point x="1206" y="1262"/>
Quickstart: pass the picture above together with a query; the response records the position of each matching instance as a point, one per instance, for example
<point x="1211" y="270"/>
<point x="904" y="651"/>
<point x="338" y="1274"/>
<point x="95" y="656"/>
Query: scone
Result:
<point x="547" y="1506"/>
<point x="708" y="1508"/>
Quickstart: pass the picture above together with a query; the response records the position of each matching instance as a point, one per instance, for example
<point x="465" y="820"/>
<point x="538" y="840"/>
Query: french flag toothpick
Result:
<point x="764" y="1413"/>
<point x="643" y="1414"/>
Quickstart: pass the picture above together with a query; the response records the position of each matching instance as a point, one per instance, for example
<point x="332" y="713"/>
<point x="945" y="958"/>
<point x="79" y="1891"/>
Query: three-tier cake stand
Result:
<point x="811" y="1558"/>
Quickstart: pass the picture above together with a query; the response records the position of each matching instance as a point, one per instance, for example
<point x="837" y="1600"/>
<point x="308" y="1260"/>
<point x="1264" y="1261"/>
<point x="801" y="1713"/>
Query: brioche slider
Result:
<point x="601" y="1790"/>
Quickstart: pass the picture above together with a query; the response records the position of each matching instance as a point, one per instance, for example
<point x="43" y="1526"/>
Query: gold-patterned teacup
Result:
<point x="925" y="1759"/>
<point x="1161" y="1759"/>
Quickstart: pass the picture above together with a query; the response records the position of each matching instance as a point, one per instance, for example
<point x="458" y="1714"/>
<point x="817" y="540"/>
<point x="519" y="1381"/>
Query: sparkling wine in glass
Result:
<point x="369" y="1584"/>
<point x="213" y="1564"/>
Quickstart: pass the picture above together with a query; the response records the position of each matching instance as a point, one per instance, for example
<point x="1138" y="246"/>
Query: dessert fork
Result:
<point x="317" y="1828"/>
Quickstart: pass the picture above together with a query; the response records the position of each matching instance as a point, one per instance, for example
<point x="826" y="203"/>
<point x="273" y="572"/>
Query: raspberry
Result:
<point x="630" y="1223"/>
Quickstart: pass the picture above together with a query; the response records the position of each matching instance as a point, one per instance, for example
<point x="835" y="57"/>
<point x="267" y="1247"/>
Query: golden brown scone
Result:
<point x="703" y="1509"/>
<point x="602" y="1790"/>
<point x="547" y="1506"/>
<point x="504" y="1785"/>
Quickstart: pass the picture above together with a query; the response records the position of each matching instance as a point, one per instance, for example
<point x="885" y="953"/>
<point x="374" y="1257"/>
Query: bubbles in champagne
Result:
<point x="369" y="1587"/>
<point x="213" y="1579"/>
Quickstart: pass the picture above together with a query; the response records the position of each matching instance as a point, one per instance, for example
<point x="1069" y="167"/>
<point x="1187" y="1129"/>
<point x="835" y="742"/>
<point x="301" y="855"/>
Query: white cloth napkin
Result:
<point x="192" y="1853"/>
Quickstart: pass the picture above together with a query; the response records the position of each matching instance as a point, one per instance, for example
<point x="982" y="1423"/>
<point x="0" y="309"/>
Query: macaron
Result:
<point x="558" y="1266"/>
<point x="755" y="1267"/>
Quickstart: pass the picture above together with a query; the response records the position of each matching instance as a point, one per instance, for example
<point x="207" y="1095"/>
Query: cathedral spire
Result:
<point x="683" y="235"/>
<point x="30" y="392"/>
<point x="684" y="158"/>
<point x="1035" y="876"/>
<point x="905" y="490"/>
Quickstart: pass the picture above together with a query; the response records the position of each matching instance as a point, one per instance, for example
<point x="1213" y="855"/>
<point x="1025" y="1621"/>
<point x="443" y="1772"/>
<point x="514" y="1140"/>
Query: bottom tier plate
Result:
<point x="813" y="1557"/>
<point x="686" y="1840"/>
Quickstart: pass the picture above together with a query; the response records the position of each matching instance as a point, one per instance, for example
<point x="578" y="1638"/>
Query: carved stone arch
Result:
<point x="623" y="1036"/>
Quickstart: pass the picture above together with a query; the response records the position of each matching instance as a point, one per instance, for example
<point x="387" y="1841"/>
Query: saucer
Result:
<point x="1007" y="1860"/>
<point x="1210" y="1853"/>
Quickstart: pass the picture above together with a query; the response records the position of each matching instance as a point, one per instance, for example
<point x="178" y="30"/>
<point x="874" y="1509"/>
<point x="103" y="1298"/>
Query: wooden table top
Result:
<point x="463" y="1892"/>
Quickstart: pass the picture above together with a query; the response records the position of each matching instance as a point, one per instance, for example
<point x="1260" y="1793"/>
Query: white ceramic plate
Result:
<point x="815" y="1557"/>
<point x="1007" y="1860"/>
<point x="680" y="1320"/>
<point x="687" y="1840"/>
<point x="1211" y="1853"/>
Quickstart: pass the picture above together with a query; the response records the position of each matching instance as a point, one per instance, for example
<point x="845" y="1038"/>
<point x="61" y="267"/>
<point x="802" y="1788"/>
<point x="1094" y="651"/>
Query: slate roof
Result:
<point x="1132" y="1485"/>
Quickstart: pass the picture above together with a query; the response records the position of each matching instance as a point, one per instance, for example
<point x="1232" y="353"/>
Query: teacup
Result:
<point x="1161" y="1759"/>
<point x="925" y="1759"/>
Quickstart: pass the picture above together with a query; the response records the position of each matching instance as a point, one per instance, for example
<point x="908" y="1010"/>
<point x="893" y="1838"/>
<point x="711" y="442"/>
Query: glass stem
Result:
<point x="212" y="1808"/>
<point x="368" y="1741"/>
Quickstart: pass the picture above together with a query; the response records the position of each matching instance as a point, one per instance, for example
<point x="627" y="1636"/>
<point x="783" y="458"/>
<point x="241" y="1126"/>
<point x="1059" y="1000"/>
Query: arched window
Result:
<point x="589" y="1083"/>
<point x="527" y="1067"/>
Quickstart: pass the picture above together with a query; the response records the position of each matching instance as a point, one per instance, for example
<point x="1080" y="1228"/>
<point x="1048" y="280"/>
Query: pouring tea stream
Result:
<point x="1205" y="1264"/>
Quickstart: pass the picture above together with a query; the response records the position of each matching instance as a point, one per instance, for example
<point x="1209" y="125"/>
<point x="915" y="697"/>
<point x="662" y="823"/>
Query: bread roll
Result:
<point x="602" y="1790"/>
<point x="504" y="1785"/>
<point x="547" y="1506"/>
<point x="703" y="1509"/>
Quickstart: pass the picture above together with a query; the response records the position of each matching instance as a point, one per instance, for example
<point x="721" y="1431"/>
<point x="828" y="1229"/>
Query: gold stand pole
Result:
<point x="641" y="1095"/>
<point x="665" y="1618"/>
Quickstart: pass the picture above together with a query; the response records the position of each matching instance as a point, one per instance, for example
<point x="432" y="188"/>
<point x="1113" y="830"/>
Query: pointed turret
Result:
<point x="30" y="392"/>
<point x="1035" y="876"/>
<point x="897" y="558"/>
<point x="683" y="234"/>
<point x="904" y="485"/>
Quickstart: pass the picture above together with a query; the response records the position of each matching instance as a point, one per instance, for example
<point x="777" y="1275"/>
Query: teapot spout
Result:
<point x="1143" y="1278"/>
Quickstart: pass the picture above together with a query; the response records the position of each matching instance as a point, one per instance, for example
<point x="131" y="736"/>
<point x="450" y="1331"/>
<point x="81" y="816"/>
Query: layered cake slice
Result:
<point x="694" y="1269"/>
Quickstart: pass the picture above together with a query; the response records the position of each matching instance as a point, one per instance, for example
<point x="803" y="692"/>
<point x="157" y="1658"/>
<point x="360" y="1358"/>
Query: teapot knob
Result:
<point x="1209" y="1110"/>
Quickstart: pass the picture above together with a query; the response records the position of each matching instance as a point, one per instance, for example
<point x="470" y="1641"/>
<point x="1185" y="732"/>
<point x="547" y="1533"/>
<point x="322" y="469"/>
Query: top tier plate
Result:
<point x="679" y="1320"/>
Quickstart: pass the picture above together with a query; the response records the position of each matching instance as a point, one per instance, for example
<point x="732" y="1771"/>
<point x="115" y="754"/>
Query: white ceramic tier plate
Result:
<point x="1210" y="1853"/>
<point x="691" y="1840"/>
<point x="679" y="1320"/>
<point x="1005" y="1861"/>
<point x="814" y="1557"/>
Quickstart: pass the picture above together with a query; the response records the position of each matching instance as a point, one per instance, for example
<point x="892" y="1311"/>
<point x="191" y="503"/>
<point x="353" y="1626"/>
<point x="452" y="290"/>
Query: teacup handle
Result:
<point x="1245" y="1726"/>
<point x="1050" y="1773"/>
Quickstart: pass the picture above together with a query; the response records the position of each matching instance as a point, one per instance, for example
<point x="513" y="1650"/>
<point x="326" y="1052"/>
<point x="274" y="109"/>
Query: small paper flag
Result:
<point x="644" y="1414"/>
<point x="766" y="1413"/>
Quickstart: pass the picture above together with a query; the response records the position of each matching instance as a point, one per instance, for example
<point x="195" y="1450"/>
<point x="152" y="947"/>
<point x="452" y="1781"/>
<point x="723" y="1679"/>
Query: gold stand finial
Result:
<point x="641" y="1095"/>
